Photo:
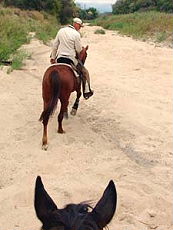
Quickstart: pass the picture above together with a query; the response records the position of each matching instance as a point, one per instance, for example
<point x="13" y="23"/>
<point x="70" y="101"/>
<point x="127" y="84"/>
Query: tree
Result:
<point x="121" y="7"/>
<point x="31" y="5"/>
<point x="63" y="9"/>
<point x="130" y="6"/>
<point x="92" y="13"/>
<point x="88" y="14"/>
<point x="67" y="10"/>
<point x="165" y="5"/>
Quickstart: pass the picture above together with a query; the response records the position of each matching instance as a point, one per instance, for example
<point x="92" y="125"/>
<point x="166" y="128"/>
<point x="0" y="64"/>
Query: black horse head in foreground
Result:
<point x="74" y="216"/>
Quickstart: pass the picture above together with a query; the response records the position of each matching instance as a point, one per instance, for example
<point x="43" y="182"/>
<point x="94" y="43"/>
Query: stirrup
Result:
<point x="88" y="94"/>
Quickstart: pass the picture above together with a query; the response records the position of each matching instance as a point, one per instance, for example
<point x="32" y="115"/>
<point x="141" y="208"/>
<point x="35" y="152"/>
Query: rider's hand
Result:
<point x="52" y="61"/>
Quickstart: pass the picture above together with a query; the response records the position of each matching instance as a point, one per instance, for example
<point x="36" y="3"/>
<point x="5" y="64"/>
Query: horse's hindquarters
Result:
<point x="58" y="82"/>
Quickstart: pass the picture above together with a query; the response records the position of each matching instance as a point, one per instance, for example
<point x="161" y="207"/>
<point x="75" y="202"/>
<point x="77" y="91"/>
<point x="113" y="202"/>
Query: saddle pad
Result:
<point x="74" y="71"/>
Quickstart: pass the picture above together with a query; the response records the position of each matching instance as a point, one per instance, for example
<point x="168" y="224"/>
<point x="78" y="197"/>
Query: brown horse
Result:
<point x="59" y="82"/>
<point x="74" y="216"/>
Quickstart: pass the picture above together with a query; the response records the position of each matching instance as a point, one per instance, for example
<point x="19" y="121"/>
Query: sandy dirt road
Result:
<point x="122" y="133"/>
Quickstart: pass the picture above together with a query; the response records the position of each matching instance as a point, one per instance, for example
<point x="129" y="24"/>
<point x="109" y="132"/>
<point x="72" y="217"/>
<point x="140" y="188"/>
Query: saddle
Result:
<point x="73" y="68"/>
<point x="78" y="73"/>
<point x="68" y="62"/>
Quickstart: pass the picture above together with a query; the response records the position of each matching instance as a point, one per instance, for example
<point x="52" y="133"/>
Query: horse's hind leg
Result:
<point x="44" y="140"/>
<point x="76" y="104"/>
<point x="66" y="114"/>
<point x="60" y="118"/>
<point x="45" y="123"/>
<point x="63" y="110"/>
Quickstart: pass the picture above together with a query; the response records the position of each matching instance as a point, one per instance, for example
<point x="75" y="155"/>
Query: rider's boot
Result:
<point x="87" y="92"/>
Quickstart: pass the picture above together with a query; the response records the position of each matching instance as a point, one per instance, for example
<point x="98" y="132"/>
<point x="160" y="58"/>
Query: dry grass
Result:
<point x="149" y="25"/>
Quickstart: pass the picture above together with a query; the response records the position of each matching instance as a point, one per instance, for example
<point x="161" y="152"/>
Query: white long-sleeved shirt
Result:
<point x="67" y="43"/>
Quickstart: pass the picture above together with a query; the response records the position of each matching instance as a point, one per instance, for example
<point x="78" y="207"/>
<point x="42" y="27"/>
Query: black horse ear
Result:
<point x="105" y="208"/>
<point x="87" y="47"/>
<point x="43" y="202"/>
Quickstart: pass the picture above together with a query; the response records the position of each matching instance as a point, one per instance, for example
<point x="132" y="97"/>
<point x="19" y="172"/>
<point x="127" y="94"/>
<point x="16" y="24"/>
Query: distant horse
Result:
<point x="74" y="216"/>
<point x="59" y="82"/>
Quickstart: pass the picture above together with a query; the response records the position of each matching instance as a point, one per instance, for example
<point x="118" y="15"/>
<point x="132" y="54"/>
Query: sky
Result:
<point x="101" y="5"/>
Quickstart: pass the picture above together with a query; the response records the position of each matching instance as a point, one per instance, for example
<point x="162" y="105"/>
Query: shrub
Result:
<point x="99" y="31"/>
<point x="15" y="25"/>
<point x="145" y="25"/>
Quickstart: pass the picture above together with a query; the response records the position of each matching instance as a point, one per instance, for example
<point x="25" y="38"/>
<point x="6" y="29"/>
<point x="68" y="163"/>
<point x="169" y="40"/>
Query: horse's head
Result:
<point x="74" y="216"/>
<point x="83" y="54"/>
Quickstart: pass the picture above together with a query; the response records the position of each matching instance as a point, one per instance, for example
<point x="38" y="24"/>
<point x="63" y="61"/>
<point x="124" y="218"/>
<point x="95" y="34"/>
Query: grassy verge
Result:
<point x="15" y="26"/>
<point x="18" y="60"/>
<point x="147" y="25"/>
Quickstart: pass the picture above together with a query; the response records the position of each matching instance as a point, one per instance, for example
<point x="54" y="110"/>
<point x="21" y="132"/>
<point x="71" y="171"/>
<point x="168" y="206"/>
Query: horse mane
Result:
<point x="83" y="54"/>
<point x="76" y="216"/>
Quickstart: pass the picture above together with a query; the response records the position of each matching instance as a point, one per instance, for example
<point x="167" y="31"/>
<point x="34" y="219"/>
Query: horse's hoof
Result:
<point x="61" y="131"/>
<point x="73" y="112"/>
<point x="45" y="147"/>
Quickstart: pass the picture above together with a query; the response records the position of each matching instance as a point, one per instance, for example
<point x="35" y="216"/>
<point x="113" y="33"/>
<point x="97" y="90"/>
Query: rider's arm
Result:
<point x="55" y="48"/>
<point x="78" y="45"/>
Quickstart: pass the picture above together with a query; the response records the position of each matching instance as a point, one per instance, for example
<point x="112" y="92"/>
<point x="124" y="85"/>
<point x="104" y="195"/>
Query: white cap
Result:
<point x="78" y="21"/>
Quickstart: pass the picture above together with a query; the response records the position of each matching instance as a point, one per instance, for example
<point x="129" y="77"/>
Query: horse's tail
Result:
<point x="55" y="88"/>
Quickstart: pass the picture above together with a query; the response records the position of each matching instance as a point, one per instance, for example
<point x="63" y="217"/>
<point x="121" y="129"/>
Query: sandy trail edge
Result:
<point x="122" y="133"/>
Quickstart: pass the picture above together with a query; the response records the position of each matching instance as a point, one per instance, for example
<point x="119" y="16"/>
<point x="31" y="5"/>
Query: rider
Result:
<point x="66" y="46"/>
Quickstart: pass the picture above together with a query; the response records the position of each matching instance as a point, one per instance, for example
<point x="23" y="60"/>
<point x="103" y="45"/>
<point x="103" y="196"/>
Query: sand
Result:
<point x="122" y="133"/>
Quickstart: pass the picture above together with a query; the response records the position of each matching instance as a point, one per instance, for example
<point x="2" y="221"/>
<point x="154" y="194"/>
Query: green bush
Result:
<point x="131" y="6"/>
<point x="15" y="26"/>
<point x="18" y="60"/>
<point x="99" y="31"/>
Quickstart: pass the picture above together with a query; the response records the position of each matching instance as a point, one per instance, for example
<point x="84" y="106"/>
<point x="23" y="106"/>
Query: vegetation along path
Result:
<point x="122" y="133"/>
